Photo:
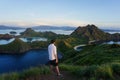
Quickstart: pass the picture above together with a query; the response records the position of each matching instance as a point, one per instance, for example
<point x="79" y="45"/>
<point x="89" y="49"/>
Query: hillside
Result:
<point x="95" y="62"/>
<point x="63" y="45"/>
<point x="91" y="32"/>
<point x="95" y="54"/>
<point x="81" y="35"/>
<point x="17" y="46"/>
<point x="29" y="32"/>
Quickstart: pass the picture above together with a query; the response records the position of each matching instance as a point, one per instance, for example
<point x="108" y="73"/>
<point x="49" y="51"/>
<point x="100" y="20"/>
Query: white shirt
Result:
<point x="52" y="51"/>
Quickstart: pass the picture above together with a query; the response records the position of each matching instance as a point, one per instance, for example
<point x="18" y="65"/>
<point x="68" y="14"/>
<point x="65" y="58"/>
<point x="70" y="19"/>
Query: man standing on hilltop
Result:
<point x="52" y="50"/>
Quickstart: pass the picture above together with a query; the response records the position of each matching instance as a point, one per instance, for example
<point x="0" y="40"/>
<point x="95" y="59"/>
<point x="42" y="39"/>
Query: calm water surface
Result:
<point x="11" y="63"/>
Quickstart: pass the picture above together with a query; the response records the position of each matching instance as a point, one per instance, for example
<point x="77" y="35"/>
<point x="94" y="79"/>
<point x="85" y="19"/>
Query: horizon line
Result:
<point x="101" y="27"/>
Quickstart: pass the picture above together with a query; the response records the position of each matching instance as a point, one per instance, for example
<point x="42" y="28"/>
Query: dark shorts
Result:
<point x="53" y="62"/>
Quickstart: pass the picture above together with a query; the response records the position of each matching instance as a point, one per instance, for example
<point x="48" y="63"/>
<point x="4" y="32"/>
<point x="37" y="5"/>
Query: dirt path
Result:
<point x="66" y="76"/>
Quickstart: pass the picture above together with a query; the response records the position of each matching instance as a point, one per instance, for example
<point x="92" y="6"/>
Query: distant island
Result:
<point x="95" y="61"/>
<point x="42" y="27"/>
<point x="3" y="27"/>
<point x="86" y="34"/>
<point x="6" y="36"/>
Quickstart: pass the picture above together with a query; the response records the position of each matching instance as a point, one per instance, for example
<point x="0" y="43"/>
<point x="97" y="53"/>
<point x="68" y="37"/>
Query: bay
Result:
<point x="32" y="58"/>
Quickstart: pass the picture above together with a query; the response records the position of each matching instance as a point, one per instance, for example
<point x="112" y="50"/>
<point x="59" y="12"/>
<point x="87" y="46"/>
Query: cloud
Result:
<point x="61" y="22"/>
<point x="17" y="23"/>
<point x="57" y="22"/>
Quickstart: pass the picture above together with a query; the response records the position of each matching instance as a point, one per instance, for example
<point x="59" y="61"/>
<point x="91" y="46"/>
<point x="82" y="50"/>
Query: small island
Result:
<point x="89" y="34"/>
<point x="13" y="32"/>
<point x="6" y="36"/>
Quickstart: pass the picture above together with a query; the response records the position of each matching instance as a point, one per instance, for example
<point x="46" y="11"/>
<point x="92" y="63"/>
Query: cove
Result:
<point x="19" y="62"/>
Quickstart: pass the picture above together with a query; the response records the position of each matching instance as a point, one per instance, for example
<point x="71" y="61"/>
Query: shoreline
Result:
<point x="12" y="53"/>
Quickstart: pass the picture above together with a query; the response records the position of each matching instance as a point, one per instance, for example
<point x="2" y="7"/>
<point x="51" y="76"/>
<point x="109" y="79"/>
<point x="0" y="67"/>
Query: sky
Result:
<point x="103" y="13"/>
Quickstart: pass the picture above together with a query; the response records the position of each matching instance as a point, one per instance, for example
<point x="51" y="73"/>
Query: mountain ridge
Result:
<point x="92" y="32"/>
<point x="3" y="27"/>
<point x="45" y="27"/>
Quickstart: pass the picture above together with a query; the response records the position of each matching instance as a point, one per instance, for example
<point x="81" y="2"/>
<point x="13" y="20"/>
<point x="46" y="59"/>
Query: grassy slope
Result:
<point x="94" y="62"/>
<point x="17" y="46"/>
<point x="26" y="74"/>
<point x="99" y="54"/>
<point x="94" y="72"/>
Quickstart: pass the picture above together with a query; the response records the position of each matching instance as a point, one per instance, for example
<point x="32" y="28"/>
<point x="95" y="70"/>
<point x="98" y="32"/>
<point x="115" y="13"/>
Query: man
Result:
<point x="52" y="50"/>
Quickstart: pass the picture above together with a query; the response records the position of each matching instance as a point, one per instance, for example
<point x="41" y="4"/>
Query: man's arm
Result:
<point x="55" y="54"/>
<point x="56" y="58"/>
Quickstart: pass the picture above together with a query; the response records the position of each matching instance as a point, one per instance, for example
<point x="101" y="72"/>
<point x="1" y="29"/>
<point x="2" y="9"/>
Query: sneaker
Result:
<point x="60" y="75"/>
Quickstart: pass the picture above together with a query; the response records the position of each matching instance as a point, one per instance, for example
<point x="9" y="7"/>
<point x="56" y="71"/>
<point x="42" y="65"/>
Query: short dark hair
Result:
<point x="53" y="40"/>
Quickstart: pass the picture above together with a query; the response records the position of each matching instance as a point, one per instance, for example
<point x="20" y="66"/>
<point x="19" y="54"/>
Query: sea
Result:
<point x="33" y="58"/>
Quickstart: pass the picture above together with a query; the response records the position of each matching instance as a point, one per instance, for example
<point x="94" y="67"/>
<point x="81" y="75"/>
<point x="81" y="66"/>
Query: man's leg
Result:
<point x="51" y="68"/>
<point x="57" y="70"/>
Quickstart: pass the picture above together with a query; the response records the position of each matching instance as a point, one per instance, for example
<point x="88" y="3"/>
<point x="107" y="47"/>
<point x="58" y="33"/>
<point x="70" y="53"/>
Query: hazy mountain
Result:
<point x="111" y="30"/>
<point x="43" y="27"/>
<point x="3" y="27"/>
<point x="46" y="27"/>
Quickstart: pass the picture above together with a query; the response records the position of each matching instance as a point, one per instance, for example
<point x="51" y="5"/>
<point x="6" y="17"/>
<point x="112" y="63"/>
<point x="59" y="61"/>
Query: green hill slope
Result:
<point x="17" y="46"/>
<point x="90" y="32"/>
<point x="94" y="62"/>
<point x="32" y="33"/>
<point x="99" y="54"/>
